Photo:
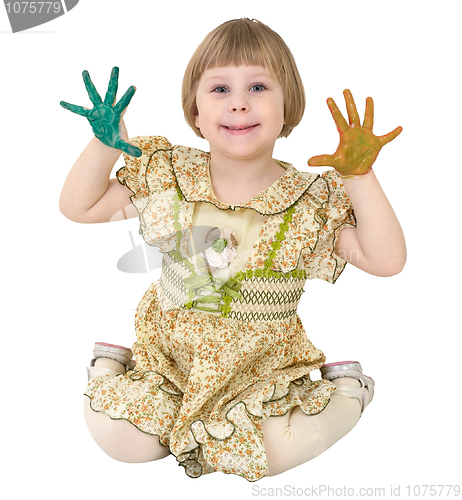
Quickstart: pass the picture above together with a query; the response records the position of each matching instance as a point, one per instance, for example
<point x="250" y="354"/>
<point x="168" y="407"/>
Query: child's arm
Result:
<point x="88" y="195"/>
<point x="376" y="245"/>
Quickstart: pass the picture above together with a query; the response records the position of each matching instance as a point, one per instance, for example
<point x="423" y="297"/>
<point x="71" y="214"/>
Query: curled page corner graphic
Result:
<point x="70" y="4"/>
<point x="24" y="15"/>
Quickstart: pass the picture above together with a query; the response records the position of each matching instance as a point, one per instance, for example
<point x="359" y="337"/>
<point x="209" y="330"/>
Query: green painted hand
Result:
<point x="105" y="118"/>
<point x="359" y="147"/>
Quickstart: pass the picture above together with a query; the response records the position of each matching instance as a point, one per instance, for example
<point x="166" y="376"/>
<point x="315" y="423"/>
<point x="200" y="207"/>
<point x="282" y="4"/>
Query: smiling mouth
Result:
<point x="240" y="128"/>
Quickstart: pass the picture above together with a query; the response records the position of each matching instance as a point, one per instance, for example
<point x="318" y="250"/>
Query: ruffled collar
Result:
<point x="191" y="169"/>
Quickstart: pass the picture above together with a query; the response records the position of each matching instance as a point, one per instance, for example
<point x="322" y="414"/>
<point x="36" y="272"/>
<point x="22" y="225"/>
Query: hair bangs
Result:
<point x="239" y="44"/>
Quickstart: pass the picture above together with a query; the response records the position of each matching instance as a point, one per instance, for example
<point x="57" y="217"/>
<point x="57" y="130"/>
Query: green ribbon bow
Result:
<point x="205" y="283"/>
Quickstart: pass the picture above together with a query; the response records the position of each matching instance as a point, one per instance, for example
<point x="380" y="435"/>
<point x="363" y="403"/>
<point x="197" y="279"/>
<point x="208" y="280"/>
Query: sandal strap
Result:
<point x="353" y="392"/>
<point x="351" y="369"/>
<point x="363" y="394"/>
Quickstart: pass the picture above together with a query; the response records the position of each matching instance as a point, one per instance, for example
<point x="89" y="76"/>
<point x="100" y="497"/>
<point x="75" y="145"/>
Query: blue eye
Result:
<point x="258" y="87"/>
<point x="220" y="90"/>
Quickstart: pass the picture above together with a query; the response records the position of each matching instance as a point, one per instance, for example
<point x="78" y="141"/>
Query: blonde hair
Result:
<point x="246" y="42"/>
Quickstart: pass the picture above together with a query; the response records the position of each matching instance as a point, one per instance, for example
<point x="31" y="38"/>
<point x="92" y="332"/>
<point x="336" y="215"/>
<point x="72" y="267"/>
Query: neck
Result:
<point x="234" y="182"/>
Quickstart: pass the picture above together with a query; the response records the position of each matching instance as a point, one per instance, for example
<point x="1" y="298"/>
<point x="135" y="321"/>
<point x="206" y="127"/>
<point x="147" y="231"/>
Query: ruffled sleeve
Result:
<point x="155" y="195"/>
<point x="134" y="174"/>
<point x="333" y="213"/>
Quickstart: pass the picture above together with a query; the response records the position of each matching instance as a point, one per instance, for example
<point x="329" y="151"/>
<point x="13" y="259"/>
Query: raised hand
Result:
<point x="358" y="147"/>
<point x="105" y="118"/>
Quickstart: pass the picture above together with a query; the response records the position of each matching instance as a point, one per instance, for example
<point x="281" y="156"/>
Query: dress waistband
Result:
<point x="260" y="295"/>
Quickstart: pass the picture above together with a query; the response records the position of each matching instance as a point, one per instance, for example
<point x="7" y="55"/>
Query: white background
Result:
<point x="63" y="290"/>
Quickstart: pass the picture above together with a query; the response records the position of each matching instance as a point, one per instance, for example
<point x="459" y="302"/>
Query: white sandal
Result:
<point x="352" y="369"/>
<point x="118" y="353"/>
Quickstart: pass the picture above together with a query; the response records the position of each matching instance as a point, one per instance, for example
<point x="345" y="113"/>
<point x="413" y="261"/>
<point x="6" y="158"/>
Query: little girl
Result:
<point x="222" y="372"/>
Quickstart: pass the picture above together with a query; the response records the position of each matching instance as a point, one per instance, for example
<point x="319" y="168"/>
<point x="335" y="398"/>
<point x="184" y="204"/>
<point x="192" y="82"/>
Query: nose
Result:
<point x="239" y="103"/>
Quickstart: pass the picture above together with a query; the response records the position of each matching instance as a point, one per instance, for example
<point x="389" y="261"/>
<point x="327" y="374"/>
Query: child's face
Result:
<point x="240" y="111"/>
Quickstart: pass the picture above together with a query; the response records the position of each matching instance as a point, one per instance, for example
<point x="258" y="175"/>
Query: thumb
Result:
<point x="322" y="161"/>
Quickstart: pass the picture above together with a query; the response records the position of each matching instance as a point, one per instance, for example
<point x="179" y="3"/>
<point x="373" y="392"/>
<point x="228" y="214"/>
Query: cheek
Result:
<point x="200" y="112"/>
<point x="206" y="115"/>
<point x="283" y="110"/>
<point x="281" y="107"/>
<point x="277" y="110"/>
<point x="196" y="113"/>
<point x="279" y="114"/>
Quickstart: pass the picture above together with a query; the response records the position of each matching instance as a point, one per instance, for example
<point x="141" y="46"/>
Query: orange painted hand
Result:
<point x="358" y="147"/>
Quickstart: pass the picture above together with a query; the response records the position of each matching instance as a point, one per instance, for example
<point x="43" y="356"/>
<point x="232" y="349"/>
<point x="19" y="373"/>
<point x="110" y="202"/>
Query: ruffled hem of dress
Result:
<point x="126" y="420"/>
<point x="193" y="461"/>
<point x="132" y="375"/>
<point x="190" y="461"/>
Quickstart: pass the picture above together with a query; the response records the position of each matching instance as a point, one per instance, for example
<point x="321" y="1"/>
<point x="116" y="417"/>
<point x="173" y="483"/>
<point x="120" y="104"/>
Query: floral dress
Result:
<point x="219" y="346"/>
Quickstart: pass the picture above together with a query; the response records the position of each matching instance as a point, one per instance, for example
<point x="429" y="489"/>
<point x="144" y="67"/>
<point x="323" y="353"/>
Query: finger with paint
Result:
<point x="359" y="147"/>
<point x="105" y="117"/>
